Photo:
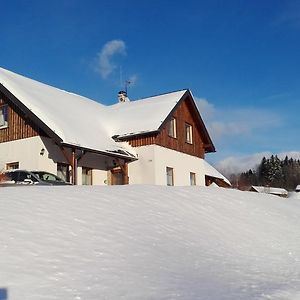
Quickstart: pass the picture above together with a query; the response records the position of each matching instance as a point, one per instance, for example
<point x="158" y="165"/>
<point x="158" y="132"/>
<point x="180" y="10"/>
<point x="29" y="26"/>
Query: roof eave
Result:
<point x="28" y="113"/>
<point x="128" y="157"/>
<point x="125" y="137"/>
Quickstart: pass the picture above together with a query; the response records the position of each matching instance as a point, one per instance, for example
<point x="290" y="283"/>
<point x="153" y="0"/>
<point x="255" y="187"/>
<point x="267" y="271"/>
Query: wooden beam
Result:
<point x="124" y="168"/>
<point x="72" y="161"/>
<point x="65" y="154"/>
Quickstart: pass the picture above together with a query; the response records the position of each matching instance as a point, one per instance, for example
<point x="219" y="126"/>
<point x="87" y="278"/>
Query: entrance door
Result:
<point x="117" y="177"/>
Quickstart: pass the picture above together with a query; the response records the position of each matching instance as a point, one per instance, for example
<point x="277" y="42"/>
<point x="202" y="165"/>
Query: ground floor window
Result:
<point x="12" y="166"/>
<point x="192" y="178"/>
<point x="87" y="178"/>
<point x="63" y="171"/>
<point x="170" y="176"/>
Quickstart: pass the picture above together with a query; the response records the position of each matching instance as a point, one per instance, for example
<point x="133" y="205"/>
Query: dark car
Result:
<point x="24" y="177"/>
<point x="47" y="177"/>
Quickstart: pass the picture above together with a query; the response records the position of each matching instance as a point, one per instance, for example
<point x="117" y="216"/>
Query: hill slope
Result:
<point x="148" y="242"/>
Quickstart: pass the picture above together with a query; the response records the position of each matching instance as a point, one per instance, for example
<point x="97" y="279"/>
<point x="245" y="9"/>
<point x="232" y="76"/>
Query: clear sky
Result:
<point x="240" y="59"/>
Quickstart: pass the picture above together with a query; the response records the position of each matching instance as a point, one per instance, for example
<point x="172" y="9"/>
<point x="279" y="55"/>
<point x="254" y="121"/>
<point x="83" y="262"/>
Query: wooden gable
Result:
<point x="185" y="112"/>
<point x="19" y="126"/>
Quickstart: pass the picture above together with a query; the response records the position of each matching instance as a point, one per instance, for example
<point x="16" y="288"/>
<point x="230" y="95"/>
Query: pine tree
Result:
<point x="272" y="172"/>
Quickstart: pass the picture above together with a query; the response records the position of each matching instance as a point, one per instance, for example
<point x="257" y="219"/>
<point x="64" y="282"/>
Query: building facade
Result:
<point x="156" y="140"/>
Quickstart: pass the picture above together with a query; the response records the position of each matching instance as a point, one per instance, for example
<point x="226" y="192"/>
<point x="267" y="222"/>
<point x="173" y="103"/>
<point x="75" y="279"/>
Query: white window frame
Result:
<point x="3" y="116"/>
<point x="172" y="130"/>
<point x="192" y="178"/>
<point x="188" y="133"/>
<point x="13" y="165"/>
<point x="170" y="176"/>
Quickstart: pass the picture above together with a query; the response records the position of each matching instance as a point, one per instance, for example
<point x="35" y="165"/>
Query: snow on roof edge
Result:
<point x="211" y="171"/>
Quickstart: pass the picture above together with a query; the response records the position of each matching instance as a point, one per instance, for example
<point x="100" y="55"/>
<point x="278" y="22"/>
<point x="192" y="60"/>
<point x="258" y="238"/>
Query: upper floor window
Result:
<point x="172" y="128"/>
<point x="3" y="116"/>
<point x="188" y="133"/>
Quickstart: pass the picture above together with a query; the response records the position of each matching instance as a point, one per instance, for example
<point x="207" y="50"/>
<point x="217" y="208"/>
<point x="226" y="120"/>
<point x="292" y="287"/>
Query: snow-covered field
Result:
<point x="148" y="242"/>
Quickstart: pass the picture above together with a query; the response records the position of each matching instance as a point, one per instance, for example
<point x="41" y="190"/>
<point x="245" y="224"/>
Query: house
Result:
<point x="270" y="190"/>
<point x="156" y="140"/>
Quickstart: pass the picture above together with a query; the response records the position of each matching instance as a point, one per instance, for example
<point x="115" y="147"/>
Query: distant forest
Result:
<point x="272" y="172"/>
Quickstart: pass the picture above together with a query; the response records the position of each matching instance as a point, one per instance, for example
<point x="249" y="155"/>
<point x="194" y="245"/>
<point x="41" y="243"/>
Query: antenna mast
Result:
<point x="127" y="83"/>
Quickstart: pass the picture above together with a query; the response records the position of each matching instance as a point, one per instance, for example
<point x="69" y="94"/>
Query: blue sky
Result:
<point x="239" y="58"/>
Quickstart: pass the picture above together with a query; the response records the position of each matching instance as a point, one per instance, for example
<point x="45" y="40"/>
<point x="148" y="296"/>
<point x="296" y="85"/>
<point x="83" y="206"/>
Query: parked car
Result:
<point x="47" y="177"/>
<point x="24" y="177"/>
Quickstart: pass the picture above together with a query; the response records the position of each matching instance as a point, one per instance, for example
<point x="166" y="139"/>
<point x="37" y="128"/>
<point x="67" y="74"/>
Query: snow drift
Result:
<point x="148" y="242"/>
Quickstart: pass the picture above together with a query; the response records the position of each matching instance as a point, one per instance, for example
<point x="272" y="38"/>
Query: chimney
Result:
<point x="122" y="97"/>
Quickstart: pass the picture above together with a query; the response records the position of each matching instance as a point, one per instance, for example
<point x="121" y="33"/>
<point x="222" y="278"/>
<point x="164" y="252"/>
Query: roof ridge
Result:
<point x="162" y="94"/>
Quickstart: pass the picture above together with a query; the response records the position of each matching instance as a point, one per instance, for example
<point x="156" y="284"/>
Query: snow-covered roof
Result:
<point x="75" y="119"/>
<point x="85" y="123"/>
<point x="211" y="171"/>
<point x="144" y="115"/>
<point x="270" y="190"/>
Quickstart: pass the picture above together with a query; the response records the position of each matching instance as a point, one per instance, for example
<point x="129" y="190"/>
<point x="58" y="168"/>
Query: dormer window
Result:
<point x="188" y="133"/>
<point x="3" y="116"/>
<point x="172" y="128"/>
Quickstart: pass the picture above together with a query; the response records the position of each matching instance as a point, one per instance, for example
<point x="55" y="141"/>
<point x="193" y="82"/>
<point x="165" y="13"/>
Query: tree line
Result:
<point x="273" y="172"/>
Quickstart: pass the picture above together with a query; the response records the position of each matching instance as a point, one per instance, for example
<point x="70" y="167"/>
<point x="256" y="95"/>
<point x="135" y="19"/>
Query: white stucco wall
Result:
<point x="27" y="153"/>
<point x="152" y="163"/>
<point x="150" y="168"/>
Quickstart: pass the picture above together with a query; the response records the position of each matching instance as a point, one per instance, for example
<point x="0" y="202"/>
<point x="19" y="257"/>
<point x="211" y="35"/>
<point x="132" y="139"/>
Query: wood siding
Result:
<point x="184" y="113"/>
<point x="18" y="126"/>
<point x="143" y="140"/>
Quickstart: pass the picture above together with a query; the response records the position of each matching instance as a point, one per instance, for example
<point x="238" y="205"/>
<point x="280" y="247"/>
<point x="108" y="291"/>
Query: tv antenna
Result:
<point x="127" y="83"/>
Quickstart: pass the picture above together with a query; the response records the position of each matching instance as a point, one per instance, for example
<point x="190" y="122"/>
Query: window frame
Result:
<point x="172" y="128"/>
<point x="63" y="171"/>
<point x="193" y="180"/>
<point x="188" y="133"/>
<point x="170" y="176"/>
<point x="4" y="113"/>
<point x="87" y="176"/>
<point x="12" y="165"/>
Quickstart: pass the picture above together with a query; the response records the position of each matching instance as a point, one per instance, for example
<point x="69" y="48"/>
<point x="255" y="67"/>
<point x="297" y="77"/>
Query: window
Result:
<point x="172" y="128"/>
<point x="192" y="178"/>
<point x="21" y="177"/>
<point x="170" y="176"/>
<point x="3" y="116"/>
<point x="87" y="176"/>
<point x="12" y="166"/>
<point x="63" y="171"/>
<point x="188" y="133"/>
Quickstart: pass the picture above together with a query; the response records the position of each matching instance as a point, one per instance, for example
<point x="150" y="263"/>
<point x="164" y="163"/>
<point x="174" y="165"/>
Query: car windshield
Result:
<point x="45" y="176"/>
